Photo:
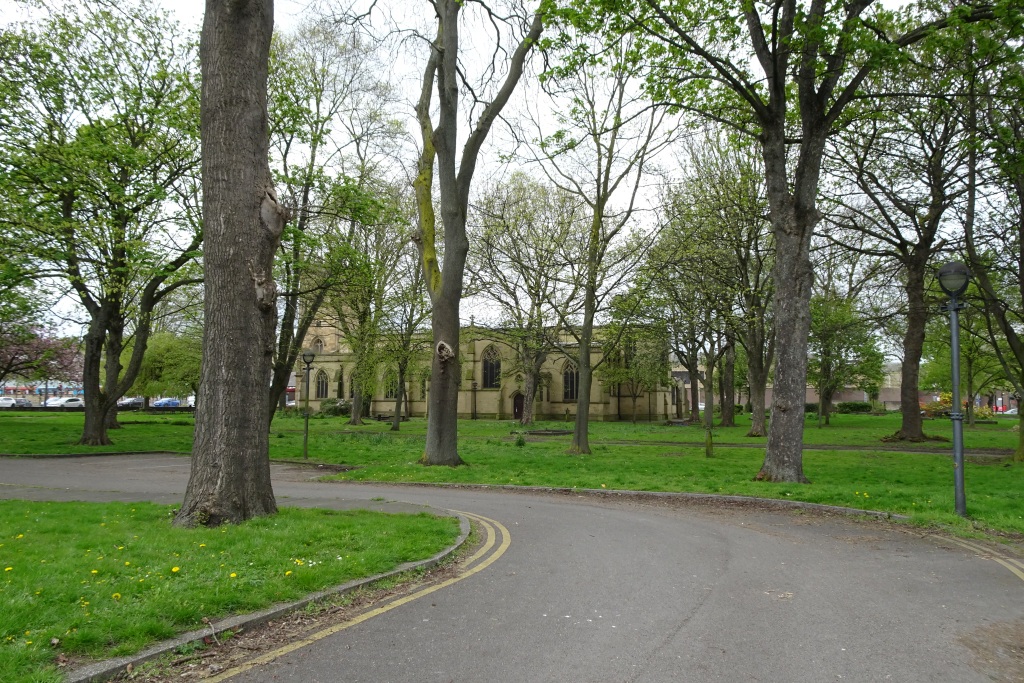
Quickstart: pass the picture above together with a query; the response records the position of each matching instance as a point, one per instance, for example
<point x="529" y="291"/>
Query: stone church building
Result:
<point x="490" y="389"/>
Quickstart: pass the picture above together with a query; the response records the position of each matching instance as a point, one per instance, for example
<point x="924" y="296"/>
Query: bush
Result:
<point x="846" y="407"/>
<point x="811" y="408"/>
<point x="983" y="413"/>
<point x="332" y="407"/>
<point x="738" y="408"/>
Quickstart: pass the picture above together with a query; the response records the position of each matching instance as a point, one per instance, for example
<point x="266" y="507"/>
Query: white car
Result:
<point x="7" y="402"/>
<point x="65" y="402"/>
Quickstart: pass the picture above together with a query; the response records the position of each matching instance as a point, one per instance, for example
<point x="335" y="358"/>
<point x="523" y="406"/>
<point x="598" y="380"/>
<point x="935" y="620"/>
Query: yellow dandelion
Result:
<point x="116" y="596"/>
<point x="127" y="563"/>
<point x="234" y="575"/>
<point x="202" y="545"/>
<point x="95" y="571"/>
<point x="288" y="573"/>
<point x="7" y="569"/>
<point x="20" y="536"/>
<point x="175" y="570"/>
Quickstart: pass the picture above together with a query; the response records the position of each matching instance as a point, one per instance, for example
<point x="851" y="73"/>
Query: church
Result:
<point x="490" y="388"/>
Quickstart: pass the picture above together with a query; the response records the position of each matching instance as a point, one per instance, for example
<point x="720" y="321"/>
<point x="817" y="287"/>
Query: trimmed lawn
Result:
<point x="853" y="468"/>
<point x="107" y="579"/>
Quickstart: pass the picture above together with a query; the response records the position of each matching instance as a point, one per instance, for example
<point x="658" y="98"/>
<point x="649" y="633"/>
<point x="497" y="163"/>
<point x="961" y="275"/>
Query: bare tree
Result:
<point x="444" y="273"/>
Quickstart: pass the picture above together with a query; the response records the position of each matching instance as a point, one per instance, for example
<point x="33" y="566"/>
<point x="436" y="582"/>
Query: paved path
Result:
<point x="595" y="590"/>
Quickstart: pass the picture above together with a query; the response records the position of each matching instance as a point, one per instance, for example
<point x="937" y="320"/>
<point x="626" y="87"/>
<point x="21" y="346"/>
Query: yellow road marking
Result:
<point x="320" y="635"/>
<point x="1011" y="563"/>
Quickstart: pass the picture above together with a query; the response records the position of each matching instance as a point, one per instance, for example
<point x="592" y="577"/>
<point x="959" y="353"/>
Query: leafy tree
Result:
<point x="230" y="478"/>
<point x="637" y="353"/>
<point x="444" y="272"/>
<point x="783" y="74"/>
<point x="904" y="166"/>
<point x="171" y="366"/>
<point x="99" y="141"/>
<point x="29" y="352"/>
<point x="842" y="348"/>
<point x="325" y="107"/>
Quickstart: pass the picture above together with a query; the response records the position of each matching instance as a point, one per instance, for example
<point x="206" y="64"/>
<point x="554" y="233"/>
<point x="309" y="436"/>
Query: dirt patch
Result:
<point x="998" y="651"/>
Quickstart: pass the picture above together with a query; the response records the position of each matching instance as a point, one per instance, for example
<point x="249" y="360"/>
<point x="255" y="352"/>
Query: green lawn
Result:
<point x="102" y="580"/>
<point x="854" y="468"/>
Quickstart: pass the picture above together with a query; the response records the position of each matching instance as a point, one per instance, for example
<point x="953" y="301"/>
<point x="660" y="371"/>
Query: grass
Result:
<point x="102" y="580"/>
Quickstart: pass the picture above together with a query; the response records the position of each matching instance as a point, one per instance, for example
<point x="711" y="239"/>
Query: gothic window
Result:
<point x="318" y="345"/>
<point x="321" y="384"/>
<point x="390" y="386"/>
<point x="341" y="383"/>
<point x="570" y="383"/>
<point x="492" y="368"/>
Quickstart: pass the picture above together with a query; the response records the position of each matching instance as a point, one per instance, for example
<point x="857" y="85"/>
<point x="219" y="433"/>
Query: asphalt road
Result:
<point x="599" y="590"/>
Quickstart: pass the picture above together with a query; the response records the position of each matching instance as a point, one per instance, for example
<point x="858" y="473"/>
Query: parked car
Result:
<point x="65" y="402"/>
<point x="190" y="402"/>
<point x="166" y="403"/>
<point x="130" y="403"/>
<point x="7" y="402"/>
<point x="1011" y="411"/>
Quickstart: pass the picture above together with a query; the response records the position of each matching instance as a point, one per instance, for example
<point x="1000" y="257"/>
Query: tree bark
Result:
<point x="230" y="477"/>
<point x="912" y="426"/>
<point x="729" y="386"/>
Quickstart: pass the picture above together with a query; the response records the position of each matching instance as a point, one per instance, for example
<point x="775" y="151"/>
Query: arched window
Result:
<point x="570" y="383"/>
<point x="321" y="384"/>
<point x="341" y="383"/>
<point x="318" y="345"/>
<point x="391" y="385"/>
<point x="492" y="368"/>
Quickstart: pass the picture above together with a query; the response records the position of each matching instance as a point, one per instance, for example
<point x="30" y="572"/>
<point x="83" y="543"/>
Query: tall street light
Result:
<point x="953" y="278"/>
<point x="307" y="358"/>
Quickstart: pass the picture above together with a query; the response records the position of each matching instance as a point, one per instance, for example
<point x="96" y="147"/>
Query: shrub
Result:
<point x="983" y="412"/>
<point x="738" y="408"/>
<point x="811" y="408"/>
<point x="853" y="407"/>
<point x="332" y="407"/>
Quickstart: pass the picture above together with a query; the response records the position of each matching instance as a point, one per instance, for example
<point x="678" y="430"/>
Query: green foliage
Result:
<point x="333" y="407"/>
<point x="171" y="366"/>
<point x="845" y="407"/>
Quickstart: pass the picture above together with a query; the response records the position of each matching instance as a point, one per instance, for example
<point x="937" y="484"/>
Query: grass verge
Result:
<point x="87" y="580"/>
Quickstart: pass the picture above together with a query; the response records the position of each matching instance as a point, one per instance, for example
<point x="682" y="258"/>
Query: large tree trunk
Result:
<point x="793" y="278"/>
<point x="230" y="478"/>
<point x="442" y="447"/>
<point x="356" y="416"/>
<point x="912" y="427"/>
<point x="581" y="429"/>
<point x="94" y="432"/>
<point x="396" y="424"/>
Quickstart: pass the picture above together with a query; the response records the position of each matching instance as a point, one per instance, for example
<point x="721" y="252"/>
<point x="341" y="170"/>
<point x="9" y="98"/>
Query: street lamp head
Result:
<point x="953" y="278"/>
<point x="308" y="356"/>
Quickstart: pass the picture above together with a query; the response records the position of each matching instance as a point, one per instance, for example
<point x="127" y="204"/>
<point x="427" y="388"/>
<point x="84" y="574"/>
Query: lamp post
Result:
<point x="475" y="385"/>
<point x="953" y="279"/>
<point x="307" y="358"/>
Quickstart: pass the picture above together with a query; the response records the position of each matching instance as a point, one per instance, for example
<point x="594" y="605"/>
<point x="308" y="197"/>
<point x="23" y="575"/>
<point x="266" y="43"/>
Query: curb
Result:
<point x="107" y="669"/>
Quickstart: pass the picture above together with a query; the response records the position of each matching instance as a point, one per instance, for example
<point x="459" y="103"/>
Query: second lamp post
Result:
<point x="953" y="278"/>
<point x="307" y="358"/>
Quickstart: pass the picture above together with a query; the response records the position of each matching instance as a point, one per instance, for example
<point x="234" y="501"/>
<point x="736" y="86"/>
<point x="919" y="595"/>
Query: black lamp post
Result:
<point x="953" y="278"/>
<point x="307" y="358"/>
<point x="475" y="385"/>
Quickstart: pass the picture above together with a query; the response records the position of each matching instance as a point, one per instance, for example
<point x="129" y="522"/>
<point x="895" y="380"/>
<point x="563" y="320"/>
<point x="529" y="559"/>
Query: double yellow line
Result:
<point x="1013" y="564"/>
<point x="480" y="560"/>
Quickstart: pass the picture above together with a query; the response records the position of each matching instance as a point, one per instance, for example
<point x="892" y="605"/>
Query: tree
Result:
<point x="904" y="166"/>
<point x="606" y="139"/>
<point x="99" y="141"/>
<point x="517" y="252"/>
<point x="326" y="113"/>
<point x="31" y="353"/>
<point x="444" y="278"/>
<point x="230" y="478"/>
<point x="171" y="366"/>
<point x="637" y="354"/>
<point x="782" y="73"/>
<point x="842" y="349"/>
<point x="717" y="223"/>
